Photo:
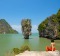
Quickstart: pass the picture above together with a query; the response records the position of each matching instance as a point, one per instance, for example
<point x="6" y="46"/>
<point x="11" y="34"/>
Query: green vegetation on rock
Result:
<point x="26" y="28"/>
<point x="22" y="49"/>
<point x="51" y="25"/>
<point x="5" y="28"/>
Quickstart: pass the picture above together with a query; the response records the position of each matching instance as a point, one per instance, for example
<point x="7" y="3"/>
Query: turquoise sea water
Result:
<point x="10" y="41"/>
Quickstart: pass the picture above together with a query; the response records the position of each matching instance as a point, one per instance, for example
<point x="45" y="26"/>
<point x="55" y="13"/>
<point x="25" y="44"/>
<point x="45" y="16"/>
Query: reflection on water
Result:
<point x="10" y="41"/>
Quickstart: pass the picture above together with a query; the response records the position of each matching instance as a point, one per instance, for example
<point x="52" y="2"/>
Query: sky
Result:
<point x="13" y="11"/>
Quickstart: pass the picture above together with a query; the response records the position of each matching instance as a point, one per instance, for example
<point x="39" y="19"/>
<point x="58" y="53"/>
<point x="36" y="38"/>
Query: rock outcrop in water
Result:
<point x="5" y="28"/>
<point x="26" y="28"/>
<point x="50" y="27"/>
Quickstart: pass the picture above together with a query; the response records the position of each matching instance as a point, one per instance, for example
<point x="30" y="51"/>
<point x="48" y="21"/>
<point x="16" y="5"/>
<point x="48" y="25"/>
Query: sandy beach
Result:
<point x="39" y="53"/>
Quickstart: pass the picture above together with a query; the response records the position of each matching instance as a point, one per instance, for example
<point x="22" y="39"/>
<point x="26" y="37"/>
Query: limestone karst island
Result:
<point x="47" y="30"/>
<point x="5" y="28"/>
<point x="29" y="27"/>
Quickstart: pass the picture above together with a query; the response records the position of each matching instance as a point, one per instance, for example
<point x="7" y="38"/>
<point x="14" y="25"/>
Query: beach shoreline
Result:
<point x="40" y="53"/>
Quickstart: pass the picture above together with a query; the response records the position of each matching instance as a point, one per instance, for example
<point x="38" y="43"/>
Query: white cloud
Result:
<point x="34" y="28"/>
<point x="18" y="28"/>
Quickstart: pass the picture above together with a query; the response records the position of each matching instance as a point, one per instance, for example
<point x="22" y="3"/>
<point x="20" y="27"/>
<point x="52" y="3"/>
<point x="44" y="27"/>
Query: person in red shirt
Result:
<point x="51" y="47"/>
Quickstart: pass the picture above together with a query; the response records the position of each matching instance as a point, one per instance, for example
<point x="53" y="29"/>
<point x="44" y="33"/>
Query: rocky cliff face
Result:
<point x="26" y="28"/>
<point x="5" y="28"/>
<point x="50" y="27"/>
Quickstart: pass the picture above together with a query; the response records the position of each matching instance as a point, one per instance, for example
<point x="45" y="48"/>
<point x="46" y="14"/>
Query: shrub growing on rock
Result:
<point x="22" y="49"/>
<point x="16" y="51"/>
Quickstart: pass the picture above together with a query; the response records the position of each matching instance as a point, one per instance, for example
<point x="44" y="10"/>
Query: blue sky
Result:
<point x="36" y="10"/>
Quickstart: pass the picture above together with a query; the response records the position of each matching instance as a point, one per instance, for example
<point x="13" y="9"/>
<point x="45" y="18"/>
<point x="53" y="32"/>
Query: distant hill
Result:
<point x="5" y="28"/>
<point x="50" y="27"/>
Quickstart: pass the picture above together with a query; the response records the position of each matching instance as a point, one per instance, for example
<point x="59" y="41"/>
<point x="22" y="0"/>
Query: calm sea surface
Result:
<point x="10" y="41"/>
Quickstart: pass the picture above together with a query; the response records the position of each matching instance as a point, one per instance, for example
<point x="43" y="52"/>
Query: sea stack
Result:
<point x="26" y="28"/>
